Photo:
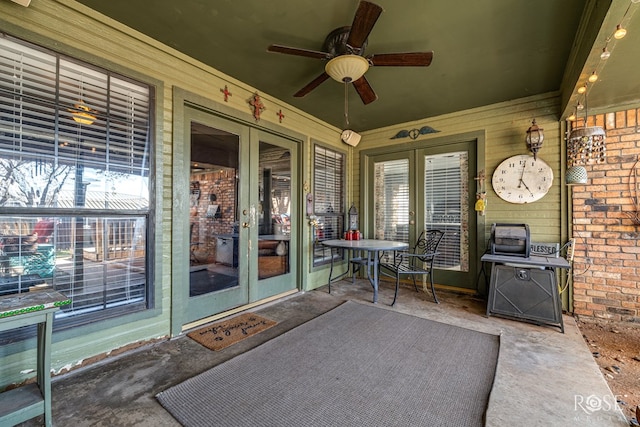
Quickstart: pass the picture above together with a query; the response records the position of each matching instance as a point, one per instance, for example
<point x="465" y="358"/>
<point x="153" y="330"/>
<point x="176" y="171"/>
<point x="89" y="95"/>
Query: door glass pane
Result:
<point x="213" y="224"/>
<point x="391" y="200"/>
<point x="446" y="192"/>
<point x="274" y="195"/>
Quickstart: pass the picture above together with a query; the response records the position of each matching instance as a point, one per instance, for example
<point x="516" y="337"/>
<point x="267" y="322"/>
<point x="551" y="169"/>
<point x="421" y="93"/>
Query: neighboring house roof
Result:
<point x="104" y="200"/>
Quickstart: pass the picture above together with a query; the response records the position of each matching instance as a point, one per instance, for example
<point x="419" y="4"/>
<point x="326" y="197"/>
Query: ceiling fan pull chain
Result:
<point x="346" y="104"/>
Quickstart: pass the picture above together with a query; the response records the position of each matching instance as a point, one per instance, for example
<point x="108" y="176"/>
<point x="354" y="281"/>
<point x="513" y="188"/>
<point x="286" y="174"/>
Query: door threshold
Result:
<point x="236" y="310"/>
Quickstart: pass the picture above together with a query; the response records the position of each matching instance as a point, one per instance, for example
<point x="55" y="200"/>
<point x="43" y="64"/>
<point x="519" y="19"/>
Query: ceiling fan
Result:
<point x="344" y="49"/>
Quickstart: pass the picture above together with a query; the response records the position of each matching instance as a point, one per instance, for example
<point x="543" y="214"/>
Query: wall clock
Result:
<point x="522" y="179"/>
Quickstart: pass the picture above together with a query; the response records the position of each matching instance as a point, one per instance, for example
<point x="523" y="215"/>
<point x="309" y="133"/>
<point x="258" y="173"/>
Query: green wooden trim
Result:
<point x="33" y="308"/>
<point x="409" y="150"/>
<point x="183" y="99"/>
<point x="566" y="219"/>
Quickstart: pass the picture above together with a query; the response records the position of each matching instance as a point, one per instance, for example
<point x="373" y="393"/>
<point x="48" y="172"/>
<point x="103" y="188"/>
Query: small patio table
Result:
<point x="372" y="247"/>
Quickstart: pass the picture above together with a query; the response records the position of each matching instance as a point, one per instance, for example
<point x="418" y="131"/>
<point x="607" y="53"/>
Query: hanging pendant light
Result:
<point x="82" y="114"/>
<point x="576" y="175"/>
<point x="584" y="145"/>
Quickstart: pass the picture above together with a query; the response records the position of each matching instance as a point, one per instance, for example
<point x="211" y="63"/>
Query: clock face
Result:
<point x="522" y="179"/>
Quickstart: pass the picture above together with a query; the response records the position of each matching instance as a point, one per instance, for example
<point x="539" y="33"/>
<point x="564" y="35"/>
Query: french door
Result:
<point x="429" y="189"/>
<point x="237" y="219"/>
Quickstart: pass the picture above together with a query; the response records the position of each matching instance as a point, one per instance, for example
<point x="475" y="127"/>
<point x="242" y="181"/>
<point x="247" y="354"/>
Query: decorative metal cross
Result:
<point x="257" y="105"/>
<point x="226" y="93"/>
<point x="280" y="115"/>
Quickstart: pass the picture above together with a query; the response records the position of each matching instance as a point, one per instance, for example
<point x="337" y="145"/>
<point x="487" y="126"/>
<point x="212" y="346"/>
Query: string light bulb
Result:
<point x="582" y="89"/>
<point x="620" y="32"/>
<point x="593" y="77"/>
<point x="579" y="107"/>
<point x="605" y="53"/>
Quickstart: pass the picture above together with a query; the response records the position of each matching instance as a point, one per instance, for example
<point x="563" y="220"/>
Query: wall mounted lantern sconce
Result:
<point x="534" y="138"/>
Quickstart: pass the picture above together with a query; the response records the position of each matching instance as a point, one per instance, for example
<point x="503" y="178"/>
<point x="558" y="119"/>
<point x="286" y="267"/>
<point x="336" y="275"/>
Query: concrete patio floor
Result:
<point x="543" y="377"/>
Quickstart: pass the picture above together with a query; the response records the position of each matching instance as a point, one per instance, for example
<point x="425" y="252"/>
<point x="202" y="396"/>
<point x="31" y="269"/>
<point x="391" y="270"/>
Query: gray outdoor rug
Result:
<point x="357" y="365"/>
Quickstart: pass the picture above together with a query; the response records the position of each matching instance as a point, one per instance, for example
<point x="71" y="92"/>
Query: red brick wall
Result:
<point x="204" y="229"/>
<point x="606" y="273"/>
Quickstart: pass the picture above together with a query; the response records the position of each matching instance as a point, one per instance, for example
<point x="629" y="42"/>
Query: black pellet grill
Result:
<point x="510" y="239"/>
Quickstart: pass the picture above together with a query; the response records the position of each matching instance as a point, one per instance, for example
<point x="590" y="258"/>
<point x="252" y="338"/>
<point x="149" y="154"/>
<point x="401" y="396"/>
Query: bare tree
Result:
<point x="31" y="183"/>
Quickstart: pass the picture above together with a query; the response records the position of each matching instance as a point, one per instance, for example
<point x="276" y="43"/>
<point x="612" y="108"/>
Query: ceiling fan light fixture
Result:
<point x="347" y="68"/>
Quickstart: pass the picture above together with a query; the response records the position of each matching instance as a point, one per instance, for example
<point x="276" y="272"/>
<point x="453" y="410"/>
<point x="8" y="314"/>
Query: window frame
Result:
<point x="148" y="307"/>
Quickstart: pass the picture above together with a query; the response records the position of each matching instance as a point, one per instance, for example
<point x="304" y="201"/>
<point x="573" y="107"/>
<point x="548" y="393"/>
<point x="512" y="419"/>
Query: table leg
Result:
<point x="368" y="273"/>
<point x="558" y="300"/>
<point x="331" y="268"/>
<point x="490" y="296"/>
<point x="44" y="364"/>
<point x="375" y="276"/>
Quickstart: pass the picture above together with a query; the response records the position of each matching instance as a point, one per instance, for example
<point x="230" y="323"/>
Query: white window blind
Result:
<point x="391" y="199"/>
<point x="446" y="192"/>
<point x="328" y="192"/>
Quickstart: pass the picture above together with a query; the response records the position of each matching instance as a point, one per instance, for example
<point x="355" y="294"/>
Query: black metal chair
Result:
<point x="418" y="261"/>
<point x="360" y="261"/>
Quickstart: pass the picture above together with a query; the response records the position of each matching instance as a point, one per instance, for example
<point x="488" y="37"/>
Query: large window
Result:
<point x="74" y="160"/>
<point x="328" y="193"/>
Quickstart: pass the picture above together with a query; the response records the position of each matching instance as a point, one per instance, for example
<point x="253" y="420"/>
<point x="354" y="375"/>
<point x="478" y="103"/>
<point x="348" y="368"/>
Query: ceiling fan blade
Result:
<point x="298" y="52"/>
<point x="311" y="86"/>
<point x="408" y="59"/>
<point x="363" y="22"/>
<point x="365" y="90"/>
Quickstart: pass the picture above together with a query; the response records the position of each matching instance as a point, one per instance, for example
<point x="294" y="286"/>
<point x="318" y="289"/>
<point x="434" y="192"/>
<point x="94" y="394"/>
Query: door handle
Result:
<point x="245" y="225"/>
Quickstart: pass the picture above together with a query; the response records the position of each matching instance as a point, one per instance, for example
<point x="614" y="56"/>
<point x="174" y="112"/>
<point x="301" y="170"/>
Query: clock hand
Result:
<point x="521" y="183"/>
<point x="525" y="186"/>
<point x="522" y="175"/>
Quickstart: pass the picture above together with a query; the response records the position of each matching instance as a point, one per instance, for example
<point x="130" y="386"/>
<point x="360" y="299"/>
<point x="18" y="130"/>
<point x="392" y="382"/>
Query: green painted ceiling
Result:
<point x="485" y="51"/>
